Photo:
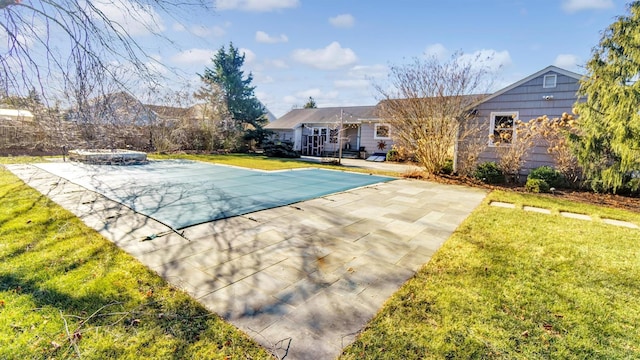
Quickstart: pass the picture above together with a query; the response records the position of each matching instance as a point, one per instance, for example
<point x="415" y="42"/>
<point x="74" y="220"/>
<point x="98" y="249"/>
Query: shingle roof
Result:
<point x="331" y="115"/>
<point x="168" y="111"/>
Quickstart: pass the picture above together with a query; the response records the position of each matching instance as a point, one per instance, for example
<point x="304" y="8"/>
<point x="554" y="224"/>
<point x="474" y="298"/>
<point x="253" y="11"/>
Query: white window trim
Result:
<point x="320" y="128"/>
<point x="492" y="124"/>
<point x="545" y="83"/>
<point x="375" y="132"/>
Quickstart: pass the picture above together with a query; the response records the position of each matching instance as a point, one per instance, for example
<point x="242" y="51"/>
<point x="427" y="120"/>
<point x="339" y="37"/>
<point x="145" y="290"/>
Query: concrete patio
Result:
<point x="302" y="280"/>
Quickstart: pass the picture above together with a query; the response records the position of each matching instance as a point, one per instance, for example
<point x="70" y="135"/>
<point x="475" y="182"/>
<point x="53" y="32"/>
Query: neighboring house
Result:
<point x="13" y="116"/>
<point x="550" y="91"/>
<point x="117" y="109"/>
<point x="321" y="131"/>
<point x="12" y="126"/>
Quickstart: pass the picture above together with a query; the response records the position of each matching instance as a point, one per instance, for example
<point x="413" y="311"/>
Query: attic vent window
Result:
<point x="549" y="81"/>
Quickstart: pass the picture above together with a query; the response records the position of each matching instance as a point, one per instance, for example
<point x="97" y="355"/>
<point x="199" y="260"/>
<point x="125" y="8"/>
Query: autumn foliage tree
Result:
<point x="608" y="142"/>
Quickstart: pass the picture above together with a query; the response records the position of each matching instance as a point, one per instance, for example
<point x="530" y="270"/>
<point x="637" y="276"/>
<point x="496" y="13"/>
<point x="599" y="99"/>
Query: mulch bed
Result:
<point x="584" y="196"/>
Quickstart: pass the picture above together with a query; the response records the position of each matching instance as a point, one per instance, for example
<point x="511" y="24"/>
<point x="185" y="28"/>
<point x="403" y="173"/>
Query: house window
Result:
<point x="382" y="131"/>
<point x="333" y="136"/>
<point x="549" y="81"/>
<point x="503" y="127"/>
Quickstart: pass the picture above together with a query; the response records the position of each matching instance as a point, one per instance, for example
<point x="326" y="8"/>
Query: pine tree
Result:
<point x="241" y="102"/>
<point x="608" y="146"/>
<point x="311" y="104"/>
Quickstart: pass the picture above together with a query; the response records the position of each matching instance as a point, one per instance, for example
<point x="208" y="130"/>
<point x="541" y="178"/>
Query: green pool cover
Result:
<point x="181" y="193"/>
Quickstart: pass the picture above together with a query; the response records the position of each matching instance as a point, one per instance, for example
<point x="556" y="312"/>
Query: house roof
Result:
<point x="548" y="69"/>
<point x="458" y="100"/>
<point x="12" y="114"/>
<point x="168" y="111"/>
<point x="330" y="115"/>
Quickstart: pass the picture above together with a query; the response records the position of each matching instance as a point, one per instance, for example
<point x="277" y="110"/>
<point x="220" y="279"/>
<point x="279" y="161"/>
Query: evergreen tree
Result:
<point x="311" y="104"/>
<point x="242" y="104"/>
<point x="608" y="144"/>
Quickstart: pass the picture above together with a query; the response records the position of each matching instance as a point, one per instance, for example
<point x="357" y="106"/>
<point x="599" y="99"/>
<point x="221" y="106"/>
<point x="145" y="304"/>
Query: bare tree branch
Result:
<point x="71" y="43"/>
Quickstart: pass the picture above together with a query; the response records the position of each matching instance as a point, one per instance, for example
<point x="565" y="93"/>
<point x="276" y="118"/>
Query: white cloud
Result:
<point x="331" y="57"/>
<point x="319" y="96"/>
<point x="26" y="37"/>
<point x="204" y="31"/>
<point x="134" y="18"/>
<point x="567" y="61"/>
<point x="256" y="5"/>
<point x="368" y="71"/>
<point x="277" y="63"/>
<point x="156" y="65"/>
<point x="193" y="57"/>
<point x="436" y="50"/>
<point x="263" y="37"/>
<point x="262" y="79"/>
<point x="177" y="27"/>
<point x="314" y="93"/>
<point x="342" y="21"/>
<point x="360" y="77"/>
<point x="249" y="56"/>
<point x="352" y="83"/>
<point x="577" y="5"/>
<point x="490" y="60"/>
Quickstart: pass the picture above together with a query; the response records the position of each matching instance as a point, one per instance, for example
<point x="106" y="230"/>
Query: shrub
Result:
<point x="489" y="172"/>
<point x="537" y="186"/>
<point x="632" y="187"/>
<point x="393" y="155"/>
<point x="283" y="149"/>
<point x="551" y="176"/>
<point x="447" y="168"/>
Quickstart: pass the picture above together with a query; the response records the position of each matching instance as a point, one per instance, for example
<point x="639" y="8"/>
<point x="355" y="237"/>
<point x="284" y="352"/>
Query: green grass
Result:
<point x="511" y="284"/>
<point x="65" y="291"/>
<point x="508" y="284"/>
<point x="22" y="159"/>
<point x="266" y="163"/>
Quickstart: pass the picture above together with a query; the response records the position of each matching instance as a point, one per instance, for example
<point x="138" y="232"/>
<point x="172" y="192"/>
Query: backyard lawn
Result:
<point x="65" y="291"/>
<point x="511" y="284"/>
<point x="508" y="284"/>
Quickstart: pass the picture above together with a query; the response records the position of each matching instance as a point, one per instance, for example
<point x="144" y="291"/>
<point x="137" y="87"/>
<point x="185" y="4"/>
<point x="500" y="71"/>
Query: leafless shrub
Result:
<point x="430" y="102"/>
<point x="552" y="133"/>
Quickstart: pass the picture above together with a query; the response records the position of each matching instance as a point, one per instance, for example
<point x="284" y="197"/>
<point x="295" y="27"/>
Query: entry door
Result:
<point x="318" y="139"/>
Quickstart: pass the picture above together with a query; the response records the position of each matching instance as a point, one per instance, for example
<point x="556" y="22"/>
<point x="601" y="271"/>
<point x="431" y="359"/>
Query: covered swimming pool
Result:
<point x="182" y="193"/>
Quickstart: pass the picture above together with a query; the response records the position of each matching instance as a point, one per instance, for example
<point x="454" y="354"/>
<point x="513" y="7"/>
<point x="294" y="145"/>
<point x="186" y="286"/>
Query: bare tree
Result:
<point x="215" y="120"/>
<point x="77" y="44"/>
<point x="429" y="106"/>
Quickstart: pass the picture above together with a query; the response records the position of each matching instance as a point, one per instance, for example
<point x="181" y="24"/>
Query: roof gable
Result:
<point x="542" y="72"/>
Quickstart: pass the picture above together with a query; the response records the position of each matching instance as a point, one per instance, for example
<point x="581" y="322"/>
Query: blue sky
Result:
<point x="333" y="50"/>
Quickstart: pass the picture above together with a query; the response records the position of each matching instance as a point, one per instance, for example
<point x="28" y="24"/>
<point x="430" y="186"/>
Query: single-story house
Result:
<point x="320" y="131"/>
<point x="10" y="116"/>
<point x="551" y="91"/>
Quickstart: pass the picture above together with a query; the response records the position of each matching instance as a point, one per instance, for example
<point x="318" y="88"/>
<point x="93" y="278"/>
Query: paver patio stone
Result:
<point x="304" y="278"/>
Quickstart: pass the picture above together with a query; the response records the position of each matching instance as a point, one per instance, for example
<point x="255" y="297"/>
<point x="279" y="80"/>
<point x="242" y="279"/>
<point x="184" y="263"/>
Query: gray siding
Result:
<point x="283" y="135"/>
<point x="367" y="139"/>
<point x="528" y="100"/>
